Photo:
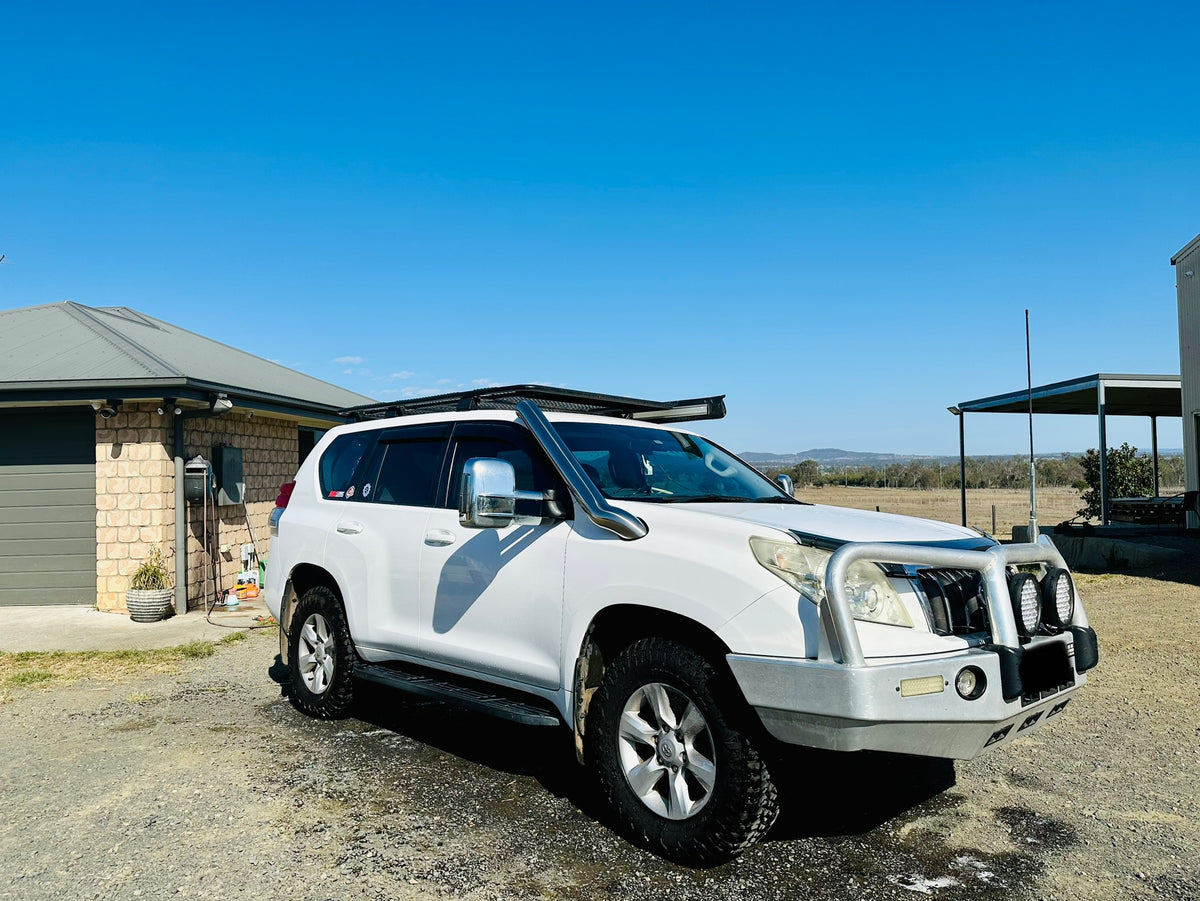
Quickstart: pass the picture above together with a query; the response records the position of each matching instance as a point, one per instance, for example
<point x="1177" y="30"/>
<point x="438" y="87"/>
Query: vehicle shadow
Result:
<point x="832" y="793"/>
<point x="822" y="793"/>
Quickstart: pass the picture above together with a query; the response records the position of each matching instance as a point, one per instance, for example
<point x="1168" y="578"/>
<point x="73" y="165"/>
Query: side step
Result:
<point x="479" y="698"/>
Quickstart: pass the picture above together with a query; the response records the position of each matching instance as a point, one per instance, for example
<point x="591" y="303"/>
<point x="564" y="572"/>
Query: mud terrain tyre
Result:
<point x="321" y="655"/>
<point x="668" y="735"/>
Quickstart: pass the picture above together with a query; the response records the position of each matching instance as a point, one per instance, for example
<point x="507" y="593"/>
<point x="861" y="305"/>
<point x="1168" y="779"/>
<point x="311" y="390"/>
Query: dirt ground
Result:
<point x="206" y="783"/>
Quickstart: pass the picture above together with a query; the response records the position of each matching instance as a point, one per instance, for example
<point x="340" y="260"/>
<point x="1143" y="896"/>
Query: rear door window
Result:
<point x="406" y="466"/>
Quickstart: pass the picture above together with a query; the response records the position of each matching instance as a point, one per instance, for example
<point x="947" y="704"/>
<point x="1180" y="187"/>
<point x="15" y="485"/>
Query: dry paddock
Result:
<point x="202" y="781"/>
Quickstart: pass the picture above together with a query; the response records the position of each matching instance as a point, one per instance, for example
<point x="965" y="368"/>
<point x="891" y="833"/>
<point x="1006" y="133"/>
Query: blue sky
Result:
<point x="834" y="214"/>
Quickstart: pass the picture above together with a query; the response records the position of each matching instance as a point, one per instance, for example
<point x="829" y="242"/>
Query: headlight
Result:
<point x="1058" y="598"/>
<point x="872" y="598"/>
<point x="800" y="566"/>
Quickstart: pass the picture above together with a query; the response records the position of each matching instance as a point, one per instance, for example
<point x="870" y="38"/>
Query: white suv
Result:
<point x="613" y="572"/>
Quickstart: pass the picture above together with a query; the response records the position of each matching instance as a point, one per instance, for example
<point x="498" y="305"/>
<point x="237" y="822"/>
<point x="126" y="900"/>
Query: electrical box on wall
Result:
<point x="228" y="478"/>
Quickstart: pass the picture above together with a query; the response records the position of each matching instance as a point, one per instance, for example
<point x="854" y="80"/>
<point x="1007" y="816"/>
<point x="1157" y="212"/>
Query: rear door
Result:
<point x="491" y="599"/>
<point x="379" y="530"/>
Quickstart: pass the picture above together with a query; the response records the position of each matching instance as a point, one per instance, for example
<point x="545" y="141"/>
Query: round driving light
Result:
<point x="1058" y="598"/>
<point x="1026" y="602"/>
<point x="970" y="683"/>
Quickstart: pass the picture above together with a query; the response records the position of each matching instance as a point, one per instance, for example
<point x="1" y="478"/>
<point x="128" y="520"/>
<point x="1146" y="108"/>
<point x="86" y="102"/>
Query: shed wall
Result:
<point x="1188" y="289"/>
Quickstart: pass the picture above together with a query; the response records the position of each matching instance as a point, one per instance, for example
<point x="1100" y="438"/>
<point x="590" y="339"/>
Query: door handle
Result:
<point x="349" y="528"/>
<point x="439" y="537"/>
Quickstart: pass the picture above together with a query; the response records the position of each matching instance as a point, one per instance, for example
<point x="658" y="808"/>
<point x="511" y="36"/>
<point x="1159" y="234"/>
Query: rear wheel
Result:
<point x="667" y="733"/>
<point x="321" y="656"/>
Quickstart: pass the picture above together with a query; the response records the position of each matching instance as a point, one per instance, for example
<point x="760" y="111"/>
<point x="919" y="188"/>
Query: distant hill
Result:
<point x="834" y="456"/>
<point x="830" y="456"/>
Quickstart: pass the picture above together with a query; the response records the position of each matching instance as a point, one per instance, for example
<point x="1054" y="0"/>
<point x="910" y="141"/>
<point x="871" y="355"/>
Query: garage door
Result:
<point x="47" y="506"/>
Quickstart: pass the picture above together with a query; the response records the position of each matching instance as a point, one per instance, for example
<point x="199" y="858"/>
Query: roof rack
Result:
<point x="559" y="400"/>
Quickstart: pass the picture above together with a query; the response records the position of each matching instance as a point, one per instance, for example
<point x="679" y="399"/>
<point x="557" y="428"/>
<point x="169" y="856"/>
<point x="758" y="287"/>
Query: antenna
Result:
<point x="1033" y="526"/>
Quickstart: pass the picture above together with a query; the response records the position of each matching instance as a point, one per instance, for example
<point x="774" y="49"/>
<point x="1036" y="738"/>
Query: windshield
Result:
<point x="663" y="466"/>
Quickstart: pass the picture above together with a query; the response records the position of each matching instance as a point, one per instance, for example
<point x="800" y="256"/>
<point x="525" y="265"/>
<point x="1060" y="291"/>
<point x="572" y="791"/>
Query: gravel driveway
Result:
<point x="208" y="784"/>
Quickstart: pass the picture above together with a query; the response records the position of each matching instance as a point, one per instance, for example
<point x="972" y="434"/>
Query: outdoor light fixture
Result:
<point x="107" y="409"/>
<point x="222" y="404"/>
<point x="1188" y="273"/>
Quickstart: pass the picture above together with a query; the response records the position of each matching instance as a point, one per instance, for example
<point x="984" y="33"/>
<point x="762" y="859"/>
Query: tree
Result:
<point x="1129" y="475"/>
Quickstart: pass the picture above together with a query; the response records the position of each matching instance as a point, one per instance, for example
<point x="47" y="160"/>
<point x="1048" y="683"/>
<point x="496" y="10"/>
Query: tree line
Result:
<point x="1067" y="470"/>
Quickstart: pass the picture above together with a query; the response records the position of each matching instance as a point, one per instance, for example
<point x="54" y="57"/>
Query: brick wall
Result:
<point x="135" y="494"/>
<point x="135" y="497"/>
<point x="270" y="455"/>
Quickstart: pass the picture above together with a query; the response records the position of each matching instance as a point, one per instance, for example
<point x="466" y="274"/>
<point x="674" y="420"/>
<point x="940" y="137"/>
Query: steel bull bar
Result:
<point x="841" y="644"/>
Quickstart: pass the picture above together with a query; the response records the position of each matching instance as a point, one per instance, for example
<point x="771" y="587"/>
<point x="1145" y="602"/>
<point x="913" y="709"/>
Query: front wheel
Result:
<point x="665" y="731"/>
<point x="321" y="656"/>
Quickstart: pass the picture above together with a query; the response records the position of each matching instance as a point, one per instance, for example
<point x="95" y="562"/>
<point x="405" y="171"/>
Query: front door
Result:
<point x="491" y="599"/>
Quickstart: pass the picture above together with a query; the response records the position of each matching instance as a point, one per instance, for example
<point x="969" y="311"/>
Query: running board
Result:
<point x="429" y="686"/>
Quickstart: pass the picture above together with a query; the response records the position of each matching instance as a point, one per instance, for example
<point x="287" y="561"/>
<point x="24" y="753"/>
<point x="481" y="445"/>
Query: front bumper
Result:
<point x="854" y="708"/>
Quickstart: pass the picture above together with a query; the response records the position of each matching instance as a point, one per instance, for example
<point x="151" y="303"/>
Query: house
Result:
<point x="99" y="410"/>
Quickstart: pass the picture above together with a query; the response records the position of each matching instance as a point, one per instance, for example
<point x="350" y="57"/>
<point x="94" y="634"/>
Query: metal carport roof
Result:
<point x="1101" y="395"/>
<point x="1123" y="394"/>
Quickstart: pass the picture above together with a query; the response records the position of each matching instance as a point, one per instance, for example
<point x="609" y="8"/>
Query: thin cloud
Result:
<point x="348" y="361"/>
<point x="405" y="374"/>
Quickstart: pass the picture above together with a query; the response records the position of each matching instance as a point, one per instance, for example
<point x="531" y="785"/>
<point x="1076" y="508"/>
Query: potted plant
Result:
<point x="150" y="591"/>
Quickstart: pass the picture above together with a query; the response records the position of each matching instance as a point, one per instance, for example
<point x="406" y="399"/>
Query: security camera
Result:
<point x="107" y="412"/>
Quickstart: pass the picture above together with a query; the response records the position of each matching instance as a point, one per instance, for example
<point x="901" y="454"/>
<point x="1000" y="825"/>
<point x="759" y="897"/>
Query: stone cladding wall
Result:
<point x="135" y="496"/>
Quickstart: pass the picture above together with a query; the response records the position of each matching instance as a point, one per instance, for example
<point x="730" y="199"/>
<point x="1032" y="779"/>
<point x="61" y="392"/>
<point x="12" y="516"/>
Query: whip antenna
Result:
<point x="1033" y="526"/>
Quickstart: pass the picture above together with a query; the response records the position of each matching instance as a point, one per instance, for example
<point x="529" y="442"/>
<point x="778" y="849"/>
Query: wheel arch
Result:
<point x="614" y="628"/>
<point x="303" y="578"/>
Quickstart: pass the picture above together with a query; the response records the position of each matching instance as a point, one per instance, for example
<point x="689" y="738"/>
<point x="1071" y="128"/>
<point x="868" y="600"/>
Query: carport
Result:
<point x="1102" y="395"/>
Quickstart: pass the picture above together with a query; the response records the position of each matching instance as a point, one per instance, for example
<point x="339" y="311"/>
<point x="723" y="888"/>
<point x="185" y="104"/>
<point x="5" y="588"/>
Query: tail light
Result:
<point x="281" y="502"/>
<point x="285" y="494"/>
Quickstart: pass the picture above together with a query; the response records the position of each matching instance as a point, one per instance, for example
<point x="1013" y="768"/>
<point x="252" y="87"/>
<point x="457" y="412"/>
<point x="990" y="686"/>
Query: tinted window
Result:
<point x="408" y="473"/>
<point x="340" y="461"/>
<point x="511" y="444"/>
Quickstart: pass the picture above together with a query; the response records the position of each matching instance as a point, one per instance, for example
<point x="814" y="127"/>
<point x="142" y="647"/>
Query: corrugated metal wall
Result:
<point x="1187" y="282"/>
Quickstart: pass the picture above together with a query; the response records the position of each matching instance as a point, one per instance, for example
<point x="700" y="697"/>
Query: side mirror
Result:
<point x="785" y="482"/>
<point x="489" y="495"/>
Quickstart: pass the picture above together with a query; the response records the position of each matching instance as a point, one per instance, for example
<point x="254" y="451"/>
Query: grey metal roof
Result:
<point x="1185" y="249"/>
<point x="1124" y="395"/>
<point x="68" y="346"/>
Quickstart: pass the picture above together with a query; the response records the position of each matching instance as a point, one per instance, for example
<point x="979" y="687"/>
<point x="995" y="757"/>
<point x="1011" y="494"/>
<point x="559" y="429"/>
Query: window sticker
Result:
<point x="367" y="490"/>
<point x="350" y="492"/>
<point x="337" y="494"/>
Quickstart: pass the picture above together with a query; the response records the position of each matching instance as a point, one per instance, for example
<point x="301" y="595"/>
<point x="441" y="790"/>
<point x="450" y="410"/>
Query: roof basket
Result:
<point x="559" y="400"/>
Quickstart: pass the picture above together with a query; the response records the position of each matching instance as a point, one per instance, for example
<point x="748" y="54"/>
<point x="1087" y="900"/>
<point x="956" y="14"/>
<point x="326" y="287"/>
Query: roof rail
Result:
<point x="559" y="400"/>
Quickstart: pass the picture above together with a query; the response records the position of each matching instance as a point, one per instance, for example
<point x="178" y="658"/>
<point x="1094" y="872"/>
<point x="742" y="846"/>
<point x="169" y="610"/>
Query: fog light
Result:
<point x="927" y="685"/>
<point x="970" y="683"/>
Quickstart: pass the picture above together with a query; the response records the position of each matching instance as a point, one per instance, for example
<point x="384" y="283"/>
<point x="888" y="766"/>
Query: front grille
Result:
<point x="955" y="600"/>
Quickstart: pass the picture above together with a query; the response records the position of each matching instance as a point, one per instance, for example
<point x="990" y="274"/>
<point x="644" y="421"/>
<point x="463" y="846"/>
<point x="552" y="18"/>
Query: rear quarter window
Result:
<point x="340" y="461"/>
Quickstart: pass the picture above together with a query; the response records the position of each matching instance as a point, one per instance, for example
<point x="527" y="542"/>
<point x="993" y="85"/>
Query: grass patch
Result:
<point x="27" y="668"/>
<point x="28" y="677"/>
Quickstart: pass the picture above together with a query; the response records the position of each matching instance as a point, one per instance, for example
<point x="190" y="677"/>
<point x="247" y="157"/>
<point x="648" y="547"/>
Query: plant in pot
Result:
<point x="150" y="591"/>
